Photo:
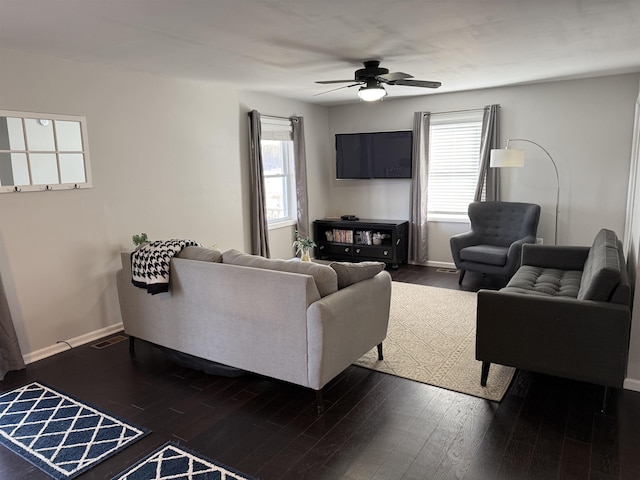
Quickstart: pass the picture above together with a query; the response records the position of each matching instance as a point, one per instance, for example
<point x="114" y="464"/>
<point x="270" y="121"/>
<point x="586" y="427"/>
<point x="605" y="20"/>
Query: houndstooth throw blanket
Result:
<point x="150" y="264"/>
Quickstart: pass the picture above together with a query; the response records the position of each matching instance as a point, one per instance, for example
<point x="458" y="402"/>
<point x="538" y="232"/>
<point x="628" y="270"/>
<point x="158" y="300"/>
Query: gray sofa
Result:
<point x="565" y="313"/>
<point x="283" y="319"/>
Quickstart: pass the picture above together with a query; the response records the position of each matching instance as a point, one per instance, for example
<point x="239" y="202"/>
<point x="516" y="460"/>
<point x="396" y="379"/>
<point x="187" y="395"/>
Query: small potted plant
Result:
<point x="302" y="246"/>
<point x="139" y="240"/>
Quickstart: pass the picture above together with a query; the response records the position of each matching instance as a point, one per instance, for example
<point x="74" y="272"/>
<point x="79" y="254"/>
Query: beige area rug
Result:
<point x="431" y="339"/>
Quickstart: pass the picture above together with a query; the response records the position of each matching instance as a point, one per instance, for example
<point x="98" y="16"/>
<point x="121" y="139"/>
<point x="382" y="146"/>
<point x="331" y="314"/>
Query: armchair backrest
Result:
<point x="502" y="223"/>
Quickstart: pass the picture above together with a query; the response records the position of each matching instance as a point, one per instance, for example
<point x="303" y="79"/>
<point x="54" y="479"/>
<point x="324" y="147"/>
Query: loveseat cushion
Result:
<point x="325" y="277"/>
<point x="544" y="281"/>
<point x="601" y="273"/>
<point x="350" y="273"/>
<point x="200" y="253"/>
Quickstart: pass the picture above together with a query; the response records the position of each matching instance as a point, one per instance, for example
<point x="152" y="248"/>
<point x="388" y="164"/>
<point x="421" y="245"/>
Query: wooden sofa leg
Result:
<point x="380" y="357"/>
<point x="485" y="373"/>
<point x="132" y="346"/>
<point x="319" y="402"/>
<point x="462" y="272"/>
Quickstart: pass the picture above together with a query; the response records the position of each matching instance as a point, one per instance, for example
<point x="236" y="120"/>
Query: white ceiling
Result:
<point x="284" y="46"/>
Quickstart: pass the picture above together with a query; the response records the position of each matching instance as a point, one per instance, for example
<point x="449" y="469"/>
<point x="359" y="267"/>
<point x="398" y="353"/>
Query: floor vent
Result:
<point x="447" y="270"/>
<point x="108" y="342"/>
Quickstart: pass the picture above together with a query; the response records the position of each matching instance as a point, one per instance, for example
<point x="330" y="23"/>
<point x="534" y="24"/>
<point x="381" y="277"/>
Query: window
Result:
<point x="454" y="162"/>
<point x="43" y="152"/>
<point x="279" y="170"/>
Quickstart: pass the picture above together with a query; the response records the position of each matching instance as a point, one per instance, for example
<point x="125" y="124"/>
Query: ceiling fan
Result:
<point x="372" y="76"/>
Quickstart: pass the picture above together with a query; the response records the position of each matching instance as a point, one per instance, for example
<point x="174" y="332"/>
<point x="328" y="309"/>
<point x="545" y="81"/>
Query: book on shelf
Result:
<point x="363" y="237"/>
<point x="342" y="236"/>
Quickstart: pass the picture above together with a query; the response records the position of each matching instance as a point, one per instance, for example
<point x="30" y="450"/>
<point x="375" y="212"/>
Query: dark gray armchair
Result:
<point x="494" y="244"/>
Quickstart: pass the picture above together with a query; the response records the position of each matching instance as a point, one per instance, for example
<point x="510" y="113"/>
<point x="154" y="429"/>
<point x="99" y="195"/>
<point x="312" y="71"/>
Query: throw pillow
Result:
<point x="350" y="273"/>
<point x="325" y="278"/>
<point x="200" y="253"/>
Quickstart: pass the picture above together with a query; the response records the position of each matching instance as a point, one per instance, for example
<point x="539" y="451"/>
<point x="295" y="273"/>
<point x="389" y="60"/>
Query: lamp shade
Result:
<point x="506" y="157"/>
<point x="371" y="94"/>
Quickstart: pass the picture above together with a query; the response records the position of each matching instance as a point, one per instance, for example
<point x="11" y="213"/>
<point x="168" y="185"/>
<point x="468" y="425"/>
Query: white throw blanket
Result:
<point x="150" y="264"/>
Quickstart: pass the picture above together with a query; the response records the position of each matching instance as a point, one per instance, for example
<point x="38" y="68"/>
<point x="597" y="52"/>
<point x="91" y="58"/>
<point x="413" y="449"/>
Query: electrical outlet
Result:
<point x="539" y="241"/>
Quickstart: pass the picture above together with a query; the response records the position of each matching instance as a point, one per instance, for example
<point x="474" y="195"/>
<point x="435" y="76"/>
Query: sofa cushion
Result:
<point x="200" y="253"/>
<point x="350" y="273"/>
<point x="601" y="273"/>
<point x="489" y="254"/>
<point x="325" y="277"/>
<point x="545" y="281"/>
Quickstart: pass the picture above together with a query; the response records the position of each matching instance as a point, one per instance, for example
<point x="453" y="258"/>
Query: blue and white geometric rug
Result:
<point x="59" y="434"/>
<point x="171" y="461"/>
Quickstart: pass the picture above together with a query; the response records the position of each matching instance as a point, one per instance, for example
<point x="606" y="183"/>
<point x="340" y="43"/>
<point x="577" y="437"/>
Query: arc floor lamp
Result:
<point x="509" y="157"/>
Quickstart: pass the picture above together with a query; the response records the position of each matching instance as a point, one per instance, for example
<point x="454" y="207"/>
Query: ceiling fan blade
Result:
<point x="416" y="83"/>
<point x="393" y="76"/>
<point x="325" y="82"/>
<point x="339" y="88"/>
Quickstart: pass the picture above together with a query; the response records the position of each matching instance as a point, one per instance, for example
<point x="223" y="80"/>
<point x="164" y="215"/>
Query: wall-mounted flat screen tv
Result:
<point x="373" y="155"/>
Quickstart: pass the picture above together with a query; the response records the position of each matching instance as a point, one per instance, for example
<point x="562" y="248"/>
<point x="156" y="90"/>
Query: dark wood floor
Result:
<point x="376" y="426"/>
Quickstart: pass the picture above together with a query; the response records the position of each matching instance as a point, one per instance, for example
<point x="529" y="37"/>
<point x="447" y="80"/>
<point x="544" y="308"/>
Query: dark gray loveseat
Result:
<point x="565" y="312"/>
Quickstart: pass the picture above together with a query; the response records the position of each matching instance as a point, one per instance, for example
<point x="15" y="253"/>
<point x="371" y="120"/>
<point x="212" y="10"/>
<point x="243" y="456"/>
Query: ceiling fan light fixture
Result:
<point x="372" y="93"/>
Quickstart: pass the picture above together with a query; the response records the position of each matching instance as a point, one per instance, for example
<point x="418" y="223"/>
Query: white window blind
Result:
<point x="276" y="128"/>
<point x="454" y="158"/>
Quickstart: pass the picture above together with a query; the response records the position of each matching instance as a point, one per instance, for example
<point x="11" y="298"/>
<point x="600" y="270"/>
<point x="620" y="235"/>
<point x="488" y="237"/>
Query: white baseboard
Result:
<point x="74" y="342"/>
<point x="441" y="264"/>
<point x="631" y="384"/>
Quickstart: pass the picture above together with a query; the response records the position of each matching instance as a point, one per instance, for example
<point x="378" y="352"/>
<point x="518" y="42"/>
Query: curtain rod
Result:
<point x="462" y="111"/>
<point x="276" y="116"/>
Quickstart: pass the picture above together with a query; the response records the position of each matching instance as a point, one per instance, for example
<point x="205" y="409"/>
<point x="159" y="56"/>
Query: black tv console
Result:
<point x="359" y="240"/>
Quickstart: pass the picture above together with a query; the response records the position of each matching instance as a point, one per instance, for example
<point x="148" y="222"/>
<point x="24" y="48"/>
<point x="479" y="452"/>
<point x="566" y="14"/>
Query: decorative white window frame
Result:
<point x="59" y="154"/>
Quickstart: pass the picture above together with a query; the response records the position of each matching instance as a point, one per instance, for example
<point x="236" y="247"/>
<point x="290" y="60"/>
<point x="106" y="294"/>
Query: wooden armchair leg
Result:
<point x="380" y="357"/>
<point x="462" y="272"/>
<point x="485" y="373"/>
<point x="132" y="346"/>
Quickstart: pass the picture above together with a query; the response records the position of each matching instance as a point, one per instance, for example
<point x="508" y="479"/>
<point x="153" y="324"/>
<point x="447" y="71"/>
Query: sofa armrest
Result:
<point x="345" y="325"/>
<point x="578" y="339"/>
<point x="555" y="256"/>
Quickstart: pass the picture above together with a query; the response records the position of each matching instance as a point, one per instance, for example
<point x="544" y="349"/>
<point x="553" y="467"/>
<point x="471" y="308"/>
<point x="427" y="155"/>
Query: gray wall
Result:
<point x="585" y="125"/>
<point x="168" y="158"/>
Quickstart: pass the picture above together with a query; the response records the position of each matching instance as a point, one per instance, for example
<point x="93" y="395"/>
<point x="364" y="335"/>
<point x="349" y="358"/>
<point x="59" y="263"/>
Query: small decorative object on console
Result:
<point x="140" y="239"/>
<point x="302" y="246"/>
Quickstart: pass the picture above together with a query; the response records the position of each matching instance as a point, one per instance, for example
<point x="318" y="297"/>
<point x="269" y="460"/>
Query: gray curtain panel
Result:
<point x="10" y="354"/>
<point x="301" y="176"/>
<point x="418" y="247"/>
<point x="259" y="224"/>
<point x="490" y="140"/>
